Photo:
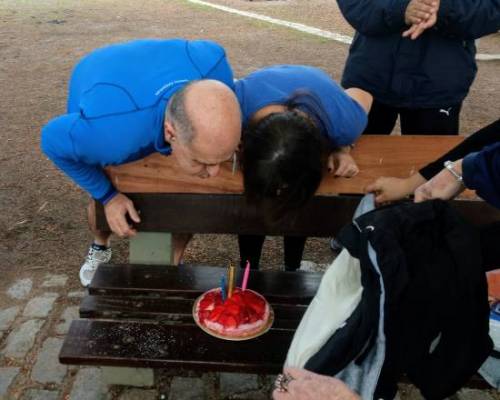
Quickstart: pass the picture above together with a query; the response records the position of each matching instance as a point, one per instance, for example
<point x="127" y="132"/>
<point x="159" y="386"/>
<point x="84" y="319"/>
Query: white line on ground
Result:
<point x="305" y="28"/>
<point x="299" y="27"/>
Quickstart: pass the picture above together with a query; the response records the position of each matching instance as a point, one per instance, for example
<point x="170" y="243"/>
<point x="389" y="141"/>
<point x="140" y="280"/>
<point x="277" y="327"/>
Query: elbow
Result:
<point x="46" y="140"/>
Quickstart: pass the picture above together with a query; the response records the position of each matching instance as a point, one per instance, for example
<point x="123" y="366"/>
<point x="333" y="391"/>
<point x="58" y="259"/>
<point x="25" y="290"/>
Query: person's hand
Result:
<point x="116" y="211"/>
<point x="419" y="24"/>
<point x="419" y="11"/>
<point x="341" y="163"/>
<point x="442" y="186"/>
<point x="306" y="385"/>
<point x="417" y="29"/>
<point x="388" y="189"/>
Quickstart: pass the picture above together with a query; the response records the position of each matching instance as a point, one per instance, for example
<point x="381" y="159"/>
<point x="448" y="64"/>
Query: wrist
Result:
<point x="455" y="169"/>
<point x="413" y="182"/>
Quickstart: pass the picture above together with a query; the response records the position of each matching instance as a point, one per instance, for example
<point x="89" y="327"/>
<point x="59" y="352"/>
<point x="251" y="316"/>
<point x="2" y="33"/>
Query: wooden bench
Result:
<point x="139" y="315"/>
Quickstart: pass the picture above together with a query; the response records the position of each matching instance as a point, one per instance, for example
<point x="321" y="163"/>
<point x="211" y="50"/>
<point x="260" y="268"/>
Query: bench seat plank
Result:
<point x="191" y="281"/>
<point x="153" y="345"/>
<point x="173" y="310"/>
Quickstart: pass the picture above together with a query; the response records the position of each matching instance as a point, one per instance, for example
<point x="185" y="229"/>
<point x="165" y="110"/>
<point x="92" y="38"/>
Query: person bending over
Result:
<point x="296" y="121"/>
<point x="129" y="100"/>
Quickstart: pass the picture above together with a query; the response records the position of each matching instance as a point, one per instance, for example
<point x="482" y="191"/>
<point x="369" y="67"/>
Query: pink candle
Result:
<point x="245" y="276"/>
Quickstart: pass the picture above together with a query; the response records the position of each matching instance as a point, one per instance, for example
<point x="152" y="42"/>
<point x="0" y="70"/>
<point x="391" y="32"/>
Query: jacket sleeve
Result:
<point x="468" y="19"/>
<point x="375" y="17"/>
<point x="481" y="172"/>
<point x="57" y="143"/>
<point x="477" y="141"/>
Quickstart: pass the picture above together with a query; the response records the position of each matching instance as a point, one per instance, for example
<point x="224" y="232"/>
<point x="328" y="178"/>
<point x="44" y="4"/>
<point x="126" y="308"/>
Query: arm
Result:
<point x="57" y="143"/>
<point x="468" y="19"/>
<point x="390" y="189"/>
<point x="459" y="19"/>
<point x="480" y="172"/>
<point x="364" y="98"/>
<point x="372" y="18"/>
<point x="475" y="142"/>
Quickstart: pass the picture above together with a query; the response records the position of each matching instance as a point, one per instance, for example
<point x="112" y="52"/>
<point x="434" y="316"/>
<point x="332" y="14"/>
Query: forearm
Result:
<point x="475" y="142"/>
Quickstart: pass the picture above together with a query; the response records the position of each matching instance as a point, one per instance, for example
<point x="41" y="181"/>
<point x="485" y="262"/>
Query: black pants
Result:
<point x="251" y="249"/>
<point x="414" y="121"/>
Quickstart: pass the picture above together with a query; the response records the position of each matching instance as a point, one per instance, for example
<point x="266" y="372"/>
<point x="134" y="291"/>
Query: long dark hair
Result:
<point x="284" y="155"/>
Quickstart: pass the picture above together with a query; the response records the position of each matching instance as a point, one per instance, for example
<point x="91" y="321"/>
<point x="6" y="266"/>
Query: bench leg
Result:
<point x="151" y="248"/>
<point x="126" y="376"/>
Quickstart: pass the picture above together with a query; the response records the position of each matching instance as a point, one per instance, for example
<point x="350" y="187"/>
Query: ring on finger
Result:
<point x="282" y="382"/>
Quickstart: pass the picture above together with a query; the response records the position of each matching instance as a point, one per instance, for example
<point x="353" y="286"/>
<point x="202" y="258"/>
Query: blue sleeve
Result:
<point x="481" y="172"/>
<point x="467" y="19"/>
<point x="57" y="143"/>
<point x="350" y="123"/>
<point x="375" y="17"/>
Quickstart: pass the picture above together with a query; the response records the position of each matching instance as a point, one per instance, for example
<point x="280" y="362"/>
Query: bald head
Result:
<point x="205" y="117"/>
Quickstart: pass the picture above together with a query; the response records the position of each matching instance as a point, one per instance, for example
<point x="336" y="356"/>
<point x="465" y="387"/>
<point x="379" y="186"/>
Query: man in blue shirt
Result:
<point x="129" y="100"/>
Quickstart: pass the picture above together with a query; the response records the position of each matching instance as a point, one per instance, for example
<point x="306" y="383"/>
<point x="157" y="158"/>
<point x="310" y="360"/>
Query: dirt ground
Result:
<point x="42" y="223"/>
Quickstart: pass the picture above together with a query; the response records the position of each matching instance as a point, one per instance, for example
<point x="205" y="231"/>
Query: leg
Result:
<point x="250" y="249"/>
<point x="381" y="119"/>
<point x="294" y="247"/>
<point x="179" y="243"/>
<point x="99" y="251"/>
<point x="431" y="121"/>
<point x="101" y="238"/>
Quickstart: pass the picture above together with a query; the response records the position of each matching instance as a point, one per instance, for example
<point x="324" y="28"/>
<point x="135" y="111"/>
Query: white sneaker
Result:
<point x="94" y="259"/>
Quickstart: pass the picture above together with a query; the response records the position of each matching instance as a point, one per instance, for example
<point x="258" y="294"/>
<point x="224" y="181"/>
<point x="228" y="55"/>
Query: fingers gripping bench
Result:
<point x="139" y="315"/>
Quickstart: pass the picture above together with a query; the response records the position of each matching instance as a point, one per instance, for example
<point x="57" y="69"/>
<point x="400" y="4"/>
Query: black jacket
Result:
<point x="435" y="302"/>
<point x="435" y="70"/>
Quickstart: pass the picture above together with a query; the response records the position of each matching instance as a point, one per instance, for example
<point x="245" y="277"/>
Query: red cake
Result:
<point x="245" y="314"/>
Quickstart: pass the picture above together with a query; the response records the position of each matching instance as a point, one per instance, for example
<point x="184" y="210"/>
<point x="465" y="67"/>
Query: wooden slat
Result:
<point x="376" y="156"/>
<point x="134" y="344"/>
<point x="172" y="310"/>
<point x="191" y="281"/>
<point x="197" y="213"/>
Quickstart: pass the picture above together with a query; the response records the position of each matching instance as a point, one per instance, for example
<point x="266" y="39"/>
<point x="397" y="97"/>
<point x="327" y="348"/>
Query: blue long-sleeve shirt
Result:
<point x="344" y="119"/>
<point x="116" y="105"/>
<point x="481" y="172"/>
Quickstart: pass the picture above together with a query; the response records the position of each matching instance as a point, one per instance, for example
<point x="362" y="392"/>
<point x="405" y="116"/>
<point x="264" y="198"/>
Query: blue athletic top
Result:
<point x="344" y="118"/>
<point x="116" y="105"/>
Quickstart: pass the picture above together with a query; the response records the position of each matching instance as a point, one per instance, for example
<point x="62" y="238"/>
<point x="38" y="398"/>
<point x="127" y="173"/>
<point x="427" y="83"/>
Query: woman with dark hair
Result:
<point x="297" y="122"/>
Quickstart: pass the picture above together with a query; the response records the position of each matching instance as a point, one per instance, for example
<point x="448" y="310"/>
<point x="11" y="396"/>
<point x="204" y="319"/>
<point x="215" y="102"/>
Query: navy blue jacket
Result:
<point x="435" y="70"/>
<point x="481" y="172"/>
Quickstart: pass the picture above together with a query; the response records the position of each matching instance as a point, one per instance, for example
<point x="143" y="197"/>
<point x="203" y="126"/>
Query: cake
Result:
<point x="245" y="314"/>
